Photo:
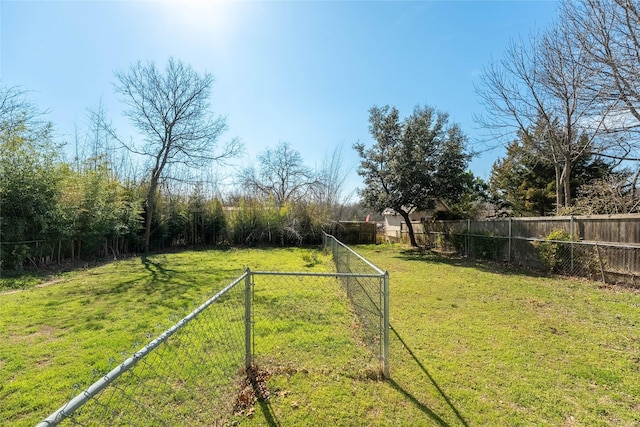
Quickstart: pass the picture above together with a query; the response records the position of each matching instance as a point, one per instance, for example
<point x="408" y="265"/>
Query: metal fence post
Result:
<point x="248" y="356"/>
<point x="347" y="264"/>
<point x="510" y="241"/>
<point x="571" y="236"/>
<point x="385" y="348"/>
<point x="468" y="238"/>
<point x="604" y="280"/>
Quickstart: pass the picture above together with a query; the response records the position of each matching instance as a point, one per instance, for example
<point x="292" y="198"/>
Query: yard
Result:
<point x="471" y="344"/>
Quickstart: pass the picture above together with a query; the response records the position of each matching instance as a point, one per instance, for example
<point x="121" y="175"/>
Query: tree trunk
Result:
<point x="407" y="220"/>
<point x="634" y="192"/>
<point x="559" y="187"/>
<point x="149" y="213"/>
<point x="566" y="175"/>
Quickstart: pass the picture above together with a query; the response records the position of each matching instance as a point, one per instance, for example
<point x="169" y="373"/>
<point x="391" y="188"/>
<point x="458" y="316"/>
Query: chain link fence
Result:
<point x="368" y="293"/>
<point x="611" y="263"/>
<point x="297" y="314"/>
<point x="186" y="376"/>
<point x="206" y="367"/>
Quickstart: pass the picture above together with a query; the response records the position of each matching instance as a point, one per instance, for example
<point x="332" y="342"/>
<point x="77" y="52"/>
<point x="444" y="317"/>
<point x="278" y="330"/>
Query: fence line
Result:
<point x="371" y="299"/>
<point x="201" y="360"/>
<point x="370" y="285"/>
<point x="337" y="247"/>
<point x="611" y="241"/>
<point x="355" y="232"/>
<point x="93" y="390"/>
<point x="612" y="263"/>
<point x="592" y="228"/>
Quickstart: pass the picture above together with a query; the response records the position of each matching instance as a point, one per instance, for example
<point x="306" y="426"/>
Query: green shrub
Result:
<point x="486" y="246"/>
<point x="310" y="258"/>
<point x="477" y="245"/>
<point x="457" y="240"/>
<point x="554" y="254"/>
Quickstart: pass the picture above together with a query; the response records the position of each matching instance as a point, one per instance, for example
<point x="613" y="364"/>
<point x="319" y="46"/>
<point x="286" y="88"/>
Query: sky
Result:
<point x="305" y="73"/>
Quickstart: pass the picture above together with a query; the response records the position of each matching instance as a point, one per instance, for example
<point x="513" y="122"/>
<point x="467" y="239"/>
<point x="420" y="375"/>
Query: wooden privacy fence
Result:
<point x="605" y="247"/>
<point x="355" y="232"/>
<point x="595" y="228"/>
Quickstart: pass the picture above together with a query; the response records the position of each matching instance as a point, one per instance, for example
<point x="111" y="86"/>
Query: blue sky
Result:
<point x="301" y="72"/>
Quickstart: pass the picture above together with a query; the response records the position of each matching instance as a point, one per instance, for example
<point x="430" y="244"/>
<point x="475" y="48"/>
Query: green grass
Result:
<point x="487" y="346"/>
<point x="471" y="344"/>
<point x="55" y="336"/>
<point x="16" y="280"/>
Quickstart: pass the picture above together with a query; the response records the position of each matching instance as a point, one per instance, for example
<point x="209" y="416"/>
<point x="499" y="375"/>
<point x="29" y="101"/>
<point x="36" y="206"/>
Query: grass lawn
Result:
<point x="55" y="336"/>
<point x="479" y="345"/>
<point x="471" y="344"/>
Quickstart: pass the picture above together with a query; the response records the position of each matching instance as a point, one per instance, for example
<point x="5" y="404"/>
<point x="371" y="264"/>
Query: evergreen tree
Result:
<point x="413" y="162"/>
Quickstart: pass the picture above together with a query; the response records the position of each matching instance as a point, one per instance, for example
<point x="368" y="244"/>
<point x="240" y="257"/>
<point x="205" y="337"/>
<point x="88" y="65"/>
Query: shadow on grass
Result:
<point x="488" y="266"/>
<point x="158" y="271"/>
<point x="414" y="400"/>
<point x="269" y="415"/>
<point x="18" y="280"/>
<point x="258" y="380"/>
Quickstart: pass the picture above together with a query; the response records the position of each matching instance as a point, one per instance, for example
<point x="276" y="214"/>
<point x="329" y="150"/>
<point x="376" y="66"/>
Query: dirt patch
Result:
<point x="39" y="285"/>
<point x="43" y="363"/>
<point x="621" y="289"/>
<point x="254" y="388"/>
<point x="44" y="334"/>
<point x="48" y="283"/>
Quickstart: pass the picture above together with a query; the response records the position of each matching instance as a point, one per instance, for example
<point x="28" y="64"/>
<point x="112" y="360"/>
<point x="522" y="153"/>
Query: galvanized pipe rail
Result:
<point x="381" y="310"/>
<point x="384" y="293"/>
<point x="95" y="388"/>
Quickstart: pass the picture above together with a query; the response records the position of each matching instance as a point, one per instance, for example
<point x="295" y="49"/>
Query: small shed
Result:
<point x="395" y="227"/>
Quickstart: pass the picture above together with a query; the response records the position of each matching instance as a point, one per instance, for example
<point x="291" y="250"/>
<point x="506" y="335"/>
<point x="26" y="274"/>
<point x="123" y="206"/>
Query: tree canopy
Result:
<point x="413" y="162"/>
<point x="109" y="201"/>
<point x="571" y="90"/>
<point x="280" y="174"/>
<point x="171" y="110"/>
<point x="527" y="184"/>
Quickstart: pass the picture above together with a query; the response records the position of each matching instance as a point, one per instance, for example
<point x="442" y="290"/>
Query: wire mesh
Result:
<point x="366" y="291"/>
<point x="188" y="378"/>
<point x="191" y="373"/>
<point x="305" y="322"/>
<point x="615" y="264"/>
<point x="611" y="263"/>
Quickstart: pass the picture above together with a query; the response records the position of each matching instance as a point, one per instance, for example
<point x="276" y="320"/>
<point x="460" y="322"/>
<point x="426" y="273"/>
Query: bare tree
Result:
<point x="171" y="110"/>
<point x="541" y="88"/>
<point x="281" y="174"/>
<point x="102" y="140"/>
<point x="13" y="106"/>
<point x="617" y="193"/>
<point x="609" y="32"/>
<point x="330" y="191"/>
<point x="19" y="115"/>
